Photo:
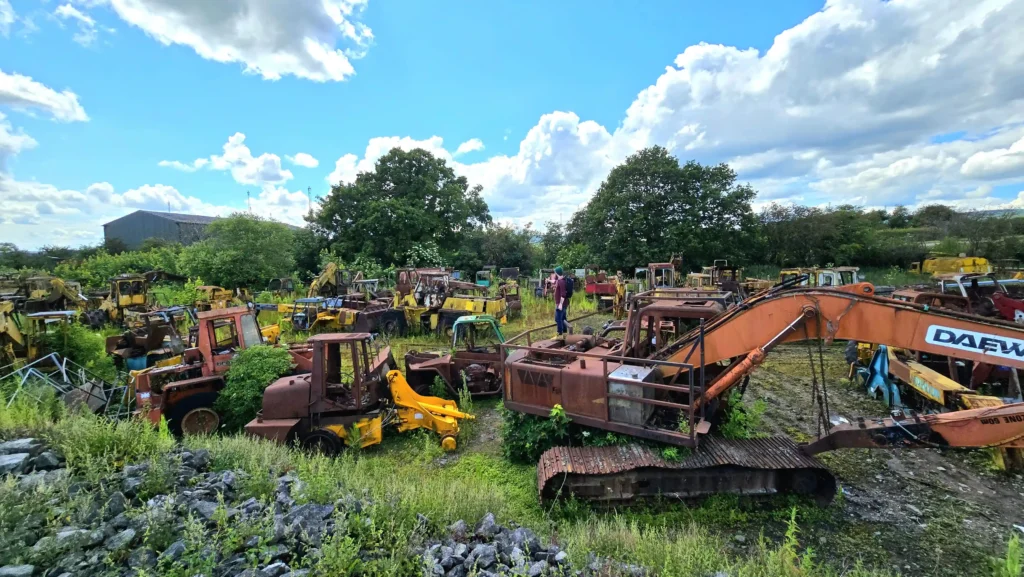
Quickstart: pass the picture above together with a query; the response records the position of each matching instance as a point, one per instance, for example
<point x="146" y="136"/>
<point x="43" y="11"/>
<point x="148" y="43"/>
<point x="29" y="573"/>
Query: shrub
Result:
<point x="526" y="437"/>
<point x="82" y="346"/>
<point x="742" y="421"/>
<point x="250" y="373"/>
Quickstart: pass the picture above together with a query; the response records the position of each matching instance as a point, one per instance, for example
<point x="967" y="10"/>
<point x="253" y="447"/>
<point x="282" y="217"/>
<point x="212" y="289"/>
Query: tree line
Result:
<point x="412" y="209"/>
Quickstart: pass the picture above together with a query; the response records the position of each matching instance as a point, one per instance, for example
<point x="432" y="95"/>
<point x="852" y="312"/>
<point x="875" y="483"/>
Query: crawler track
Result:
<point x="743" y="467"/>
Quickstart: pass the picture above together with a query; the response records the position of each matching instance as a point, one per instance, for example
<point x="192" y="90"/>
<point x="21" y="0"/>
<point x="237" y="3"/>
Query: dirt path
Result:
<point x="926" y="511"/>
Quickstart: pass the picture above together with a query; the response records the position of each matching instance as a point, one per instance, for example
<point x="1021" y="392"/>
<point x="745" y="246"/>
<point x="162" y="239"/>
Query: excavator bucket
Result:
<point x="418" y="411"/>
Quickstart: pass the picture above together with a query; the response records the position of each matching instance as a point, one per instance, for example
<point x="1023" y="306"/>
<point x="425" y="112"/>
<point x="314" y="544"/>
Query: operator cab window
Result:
<point x="225" y="337"/>
<point x="337" y="366"/>
<point x="251" y="334"/>
<point x="826" y="280"/>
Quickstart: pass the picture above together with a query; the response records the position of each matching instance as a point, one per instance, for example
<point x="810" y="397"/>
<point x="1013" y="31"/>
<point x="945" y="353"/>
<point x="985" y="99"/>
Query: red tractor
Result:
<point x="184" y="393"/>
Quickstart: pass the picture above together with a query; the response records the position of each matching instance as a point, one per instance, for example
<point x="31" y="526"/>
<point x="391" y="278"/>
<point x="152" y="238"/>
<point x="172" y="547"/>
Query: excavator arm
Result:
<point x="749" y="331"/>
<point x="746" y="333"/>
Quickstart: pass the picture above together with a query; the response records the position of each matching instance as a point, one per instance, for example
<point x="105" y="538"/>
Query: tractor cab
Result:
<point x="477" y="333"/>
<point x="473" y="363"/>
<point x="661" y="275"/>
<point x="281" y="287"/>
<point x="305" y="312"/>
<point x="483" y="278"/>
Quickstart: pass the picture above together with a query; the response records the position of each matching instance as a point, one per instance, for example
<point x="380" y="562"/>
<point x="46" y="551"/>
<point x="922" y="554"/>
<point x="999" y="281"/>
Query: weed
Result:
<point x="158" y="478"/>
<point x="339" y="554"/>
<point x="438" y="388"/>
<point x="742" y="421"/>
<point x="466" y="426"/>
<point x="1009" y="566"/>
<point x="92" y="443"/>
<point x="526" y="437"/>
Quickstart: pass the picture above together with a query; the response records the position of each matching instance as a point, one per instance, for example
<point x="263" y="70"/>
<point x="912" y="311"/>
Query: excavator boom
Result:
<point x="852" y="312"/>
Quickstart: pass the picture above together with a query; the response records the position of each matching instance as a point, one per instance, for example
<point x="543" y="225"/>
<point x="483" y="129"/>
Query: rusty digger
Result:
<point x="667" y="379"/>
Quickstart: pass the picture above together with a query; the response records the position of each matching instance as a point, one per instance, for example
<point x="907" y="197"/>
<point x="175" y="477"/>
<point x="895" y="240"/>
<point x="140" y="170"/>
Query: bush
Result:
<point x="742" y="421"/>
<point x="81" y="346"/>
<point x="526" y="437"/>
<point x="250" y="373"/>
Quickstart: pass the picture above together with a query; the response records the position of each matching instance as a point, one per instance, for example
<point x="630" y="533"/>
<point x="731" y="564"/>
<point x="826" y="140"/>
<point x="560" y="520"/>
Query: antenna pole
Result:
<point x="249" y="199"/>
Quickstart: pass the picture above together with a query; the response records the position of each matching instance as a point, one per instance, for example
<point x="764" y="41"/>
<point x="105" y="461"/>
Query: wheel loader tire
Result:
<point x="194" y="415"/>
<point x="850" y="352"/>
<point x="321" y="441"/>
<point x="393" y="324"/>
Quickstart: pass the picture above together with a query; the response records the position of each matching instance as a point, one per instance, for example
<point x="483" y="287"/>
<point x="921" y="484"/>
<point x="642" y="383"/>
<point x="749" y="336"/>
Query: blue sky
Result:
<point x="113" y="105"/>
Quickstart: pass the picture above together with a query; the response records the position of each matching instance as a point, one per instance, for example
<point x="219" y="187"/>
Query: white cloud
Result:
<point x="7" y="17"/>
<point x="304" y="160"/>
<point x="183" y="166"/>
<point x="23" y="93"/>
<point x="346" y="167"/>
<point x="272" y="38"/>
<point x="245" y="168"/>
<point x="471" y="145"/>
<point x="996" y="163"/>
<point x="87" y="28"/>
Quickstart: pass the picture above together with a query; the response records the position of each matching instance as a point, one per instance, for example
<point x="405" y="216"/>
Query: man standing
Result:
<point x="561" y="302"/>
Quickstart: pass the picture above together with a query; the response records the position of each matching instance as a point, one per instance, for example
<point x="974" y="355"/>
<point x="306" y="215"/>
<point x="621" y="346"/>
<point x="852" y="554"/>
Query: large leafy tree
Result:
<point x="410" y="197"/>
<point x="650" y="208"/>
<point x="498" y="245"/>
<point x="242" y="250"/>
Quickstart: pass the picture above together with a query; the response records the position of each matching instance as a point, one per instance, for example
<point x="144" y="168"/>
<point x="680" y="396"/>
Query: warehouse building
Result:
<point x="132" y="229"/>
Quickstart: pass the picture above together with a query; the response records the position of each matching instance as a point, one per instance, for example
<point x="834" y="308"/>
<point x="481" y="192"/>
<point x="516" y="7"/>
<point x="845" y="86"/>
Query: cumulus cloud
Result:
<point x="316" y="40"/>
<point x="304" y="160"/>
<point x="346" y="167"/>
<point x="23" y="93"/>
<point x="471" y="145"/>
<point x="996" y="163"/>
<point x="237" y="158"/>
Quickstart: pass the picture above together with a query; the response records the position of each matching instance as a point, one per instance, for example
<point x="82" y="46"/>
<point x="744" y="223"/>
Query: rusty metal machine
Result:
<point x="436" y="302"/>
<point x="654" y="384"/>
<point x="44" y="293"/>
<point x="352" y="393"/>
<point x="184" y="393"/>
<point x="473" y="361"/>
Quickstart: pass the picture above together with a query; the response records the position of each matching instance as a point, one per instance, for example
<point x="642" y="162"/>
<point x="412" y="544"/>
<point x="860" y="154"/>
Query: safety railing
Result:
<point x="653" y="393"/>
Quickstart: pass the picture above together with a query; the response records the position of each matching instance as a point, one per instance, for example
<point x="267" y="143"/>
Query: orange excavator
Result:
<point x="671" y="386"/>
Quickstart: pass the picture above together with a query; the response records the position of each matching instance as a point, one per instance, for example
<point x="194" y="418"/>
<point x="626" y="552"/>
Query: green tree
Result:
<point x="552" y="242"/>
<point x="937" y="215"/>
<point x="650" y="208"/>
<point x="499" y="245"/>
<point x="242" y="250"/>
<point x="409" y="198"/>
<point x="900" y="217"/>
<point x="116" y="245"/>
<point x="308" y="246"/>
<point x="573" y="256"/>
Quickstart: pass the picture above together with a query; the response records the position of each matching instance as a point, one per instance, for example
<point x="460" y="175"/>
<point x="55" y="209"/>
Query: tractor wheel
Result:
<point x="194" y="415"/>
<point x="321" y="441"/>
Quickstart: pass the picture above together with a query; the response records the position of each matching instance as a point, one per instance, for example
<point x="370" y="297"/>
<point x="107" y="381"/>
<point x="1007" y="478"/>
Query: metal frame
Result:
<point x="693" y="387"/>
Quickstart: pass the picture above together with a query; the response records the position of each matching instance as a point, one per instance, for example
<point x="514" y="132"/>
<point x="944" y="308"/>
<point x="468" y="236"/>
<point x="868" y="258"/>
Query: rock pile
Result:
<point x="145" y="519"/>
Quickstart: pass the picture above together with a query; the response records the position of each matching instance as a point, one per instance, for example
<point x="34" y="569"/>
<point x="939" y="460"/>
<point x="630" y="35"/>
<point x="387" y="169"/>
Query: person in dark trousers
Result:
<point x="561" y="302"/>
